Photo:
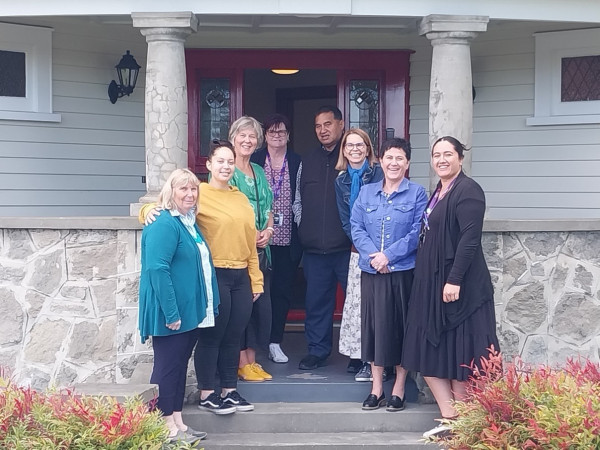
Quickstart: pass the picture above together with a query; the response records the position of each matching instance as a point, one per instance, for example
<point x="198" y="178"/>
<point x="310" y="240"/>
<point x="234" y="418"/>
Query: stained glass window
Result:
<point x="12" y="74"/>
<point x="363" y="106"/>
<point x="214" y="111"/>
<point x="580" y="79"/>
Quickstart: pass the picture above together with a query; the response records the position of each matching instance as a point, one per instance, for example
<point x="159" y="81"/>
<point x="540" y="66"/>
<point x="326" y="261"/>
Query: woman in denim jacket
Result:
<point x="385" y="224"/>
<point x="357" y="165"/>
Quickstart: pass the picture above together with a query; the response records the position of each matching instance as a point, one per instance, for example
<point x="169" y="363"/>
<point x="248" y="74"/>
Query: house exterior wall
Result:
<point x="527" y="172"/>
<point x="69" y="293"/>
<point x="92" y="161"/>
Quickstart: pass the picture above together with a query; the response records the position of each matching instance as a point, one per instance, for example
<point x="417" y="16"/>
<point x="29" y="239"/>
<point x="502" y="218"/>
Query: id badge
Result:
<point x="277" y="219"/>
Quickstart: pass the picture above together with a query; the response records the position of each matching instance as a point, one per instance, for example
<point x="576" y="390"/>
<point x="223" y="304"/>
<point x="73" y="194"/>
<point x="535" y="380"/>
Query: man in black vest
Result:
<point x="326" y="246"/>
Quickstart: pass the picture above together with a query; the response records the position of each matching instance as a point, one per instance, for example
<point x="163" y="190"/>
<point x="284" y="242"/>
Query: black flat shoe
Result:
<point x="372" y="402"/>
<point x="395" y="404"/>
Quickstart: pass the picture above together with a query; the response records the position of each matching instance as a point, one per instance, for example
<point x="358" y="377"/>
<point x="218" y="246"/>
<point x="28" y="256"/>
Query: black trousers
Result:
<point x="258" y="330"/>
<point x="322" y="273"/>
<point x="282" y="280"/>
<point x="219" y="346"/>
<point x="171" y="356"/>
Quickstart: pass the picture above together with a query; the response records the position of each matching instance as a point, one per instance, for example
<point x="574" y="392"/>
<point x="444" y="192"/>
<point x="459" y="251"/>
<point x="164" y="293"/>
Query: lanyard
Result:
<point x="434" y="201"/>
<point x="277" y="189"/>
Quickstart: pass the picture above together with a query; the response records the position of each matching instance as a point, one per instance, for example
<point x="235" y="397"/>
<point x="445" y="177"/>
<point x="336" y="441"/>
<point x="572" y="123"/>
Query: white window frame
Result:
<point x="36" y="43"/>
<point x="550" y="48"/>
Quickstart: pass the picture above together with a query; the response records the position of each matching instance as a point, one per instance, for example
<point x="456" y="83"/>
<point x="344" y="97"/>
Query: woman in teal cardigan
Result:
<point x="178" y="295"/>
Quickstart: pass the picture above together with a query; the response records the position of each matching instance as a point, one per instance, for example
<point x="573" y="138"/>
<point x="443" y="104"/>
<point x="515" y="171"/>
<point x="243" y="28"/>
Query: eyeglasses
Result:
<point x="279" y="133"/>
<point x="359" y="146"/>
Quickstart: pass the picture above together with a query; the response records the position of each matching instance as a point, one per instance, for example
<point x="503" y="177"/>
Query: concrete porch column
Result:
<point x="166" y="111"/>
<point x="450" y="92"/>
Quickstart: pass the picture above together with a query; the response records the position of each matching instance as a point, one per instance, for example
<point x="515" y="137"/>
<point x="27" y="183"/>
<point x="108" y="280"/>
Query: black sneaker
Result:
<point x="354" y="366"/>
<point x="237" y="401"/>
<point x="388" y="373"/>
<point x="214" y="404"/>
<point x="395" y="403"/>
<point x="364" y="374"/>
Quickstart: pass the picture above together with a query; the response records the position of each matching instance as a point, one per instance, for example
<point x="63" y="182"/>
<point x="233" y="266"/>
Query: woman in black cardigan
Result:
<point x="281" y="166"/>
<point x="451" y="319"/>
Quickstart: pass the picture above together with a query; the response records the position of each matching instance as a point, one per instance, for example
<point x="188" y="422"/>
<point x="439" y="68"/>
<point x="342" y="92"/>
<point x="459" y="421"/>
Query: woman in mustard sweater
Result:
<point x="227" y="220"/>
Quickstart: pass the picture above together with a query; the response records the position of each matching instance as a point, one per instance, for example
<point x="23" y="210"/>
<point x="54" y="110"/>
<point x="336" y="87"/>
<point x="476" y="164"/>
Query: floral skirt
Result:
<point x="350" y="328"/>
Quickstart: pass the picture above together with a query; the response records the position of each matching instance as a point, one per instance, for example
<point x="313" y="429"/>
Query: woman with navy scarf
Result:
<point x="357" y="165"/>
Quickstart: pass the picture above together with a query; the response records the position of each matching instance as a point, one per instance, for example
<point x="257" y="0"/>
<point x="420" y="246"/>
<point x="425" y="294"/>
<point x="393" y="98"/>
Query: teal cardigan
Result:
<point x="172" y="284"/>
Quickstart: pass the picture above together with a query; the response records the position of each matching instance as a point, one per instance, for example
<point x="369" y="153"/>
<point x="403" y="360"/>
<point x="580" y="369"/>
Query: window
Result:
<point x="26" y="73"/>
<point x="566" y="77"/>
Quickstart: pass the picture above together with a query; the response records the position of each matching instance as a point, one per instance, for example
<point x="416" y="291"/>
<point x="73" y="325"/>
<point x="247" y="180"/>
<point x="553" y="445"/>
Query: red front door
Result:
<point x="369" y="87"/>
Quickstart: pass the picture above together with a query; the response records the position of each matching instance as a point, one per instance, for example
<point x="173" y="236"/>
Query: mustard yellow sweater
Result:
<point x="226" y="220"/>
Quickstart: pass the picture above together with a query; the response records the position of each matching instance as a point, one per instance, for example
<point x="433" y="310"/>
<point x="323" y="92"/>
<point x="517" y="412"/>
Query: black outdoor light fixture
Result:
<point x="127" y="71"/>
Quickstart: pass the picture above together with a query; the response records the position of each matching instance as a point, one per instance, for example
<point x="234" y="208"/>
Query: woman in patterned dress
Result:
<point x="357" y="165"/>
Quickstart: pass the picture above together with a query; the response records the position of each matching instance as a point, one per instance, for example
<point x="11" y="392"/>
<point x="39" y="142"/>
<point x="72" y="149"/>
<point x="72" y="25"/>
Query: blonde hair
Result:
<point x="179" y="177"/>
<point x="342" y="162"/>
<point x="247" y="122"/>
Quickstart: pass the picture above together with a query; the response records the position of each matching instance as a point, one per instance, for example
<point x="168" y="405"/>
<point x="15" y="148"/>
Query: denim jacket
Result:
<point x="343" y="182"/>
<point x="389" y="224"/>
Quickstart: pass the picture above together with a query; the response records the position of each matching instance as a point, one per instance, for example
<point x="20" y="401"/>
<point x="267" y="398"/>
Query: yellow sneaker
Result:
<point x="247" y="373"/>
<point x="261" y="372"/>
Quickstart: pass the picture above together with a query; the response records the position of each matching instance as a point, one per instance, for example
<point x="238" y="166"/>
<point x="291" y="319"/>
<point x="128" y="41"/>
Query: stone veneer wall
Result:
<point x="68" y="301"/>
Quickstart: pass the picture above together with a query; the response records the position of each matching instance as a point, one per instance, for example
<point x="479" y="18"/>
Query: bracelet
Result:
<point x="271" y="228"/>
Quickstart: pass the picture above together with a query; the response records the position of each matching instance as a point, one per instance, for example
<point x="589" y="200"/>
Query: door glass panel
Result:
<point x="214" y="111"/>
<point x="364" y="107"/>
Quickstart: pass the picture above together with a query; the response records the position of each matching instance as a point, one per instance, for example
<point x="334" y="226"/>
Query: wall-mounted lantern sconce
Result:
<point x="127" y="71"/>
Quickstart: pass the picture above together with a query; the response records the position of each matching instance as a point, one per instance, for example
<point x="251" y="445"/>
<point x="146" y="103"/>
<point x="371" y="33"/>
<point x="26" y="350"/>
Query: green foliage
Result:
<point x="62" y="420"/>
<point x="516" y="407"/>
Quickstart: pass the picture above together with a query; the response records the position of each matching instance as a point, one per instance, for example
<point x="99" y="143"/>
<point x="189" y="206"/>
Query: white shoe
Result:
<point x="442" y="430"/>
<point x="276" y="354"/>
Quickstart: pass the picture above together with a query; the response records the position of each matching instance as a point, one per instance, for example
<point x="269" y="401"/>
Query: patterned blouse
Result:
<point x="282" y="204"/>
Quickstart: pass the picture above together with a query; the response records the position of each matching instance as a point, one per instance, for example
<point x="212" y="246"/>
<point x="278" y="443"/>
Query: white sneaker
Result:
<point x="276" y="354"/>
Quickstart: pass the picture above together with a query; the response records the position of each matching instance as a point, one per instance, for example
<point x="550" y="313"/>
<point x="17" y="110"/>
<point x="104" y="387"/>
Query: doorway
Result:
<point x="369" y="87"/>
<point x="296" y="96"/>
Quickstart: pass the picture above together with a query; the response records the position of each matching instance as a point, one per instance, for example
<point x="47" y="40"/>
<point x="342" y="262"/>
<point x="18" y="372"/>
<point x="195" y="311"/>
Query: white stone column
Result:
<point x="450" y="92"/>
<point x="166" y="110"/>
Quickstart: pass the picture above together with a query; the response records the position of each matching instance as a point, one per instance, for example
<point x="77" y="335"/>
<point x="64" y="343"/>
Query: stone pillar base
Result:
<point x="134" y="209"/>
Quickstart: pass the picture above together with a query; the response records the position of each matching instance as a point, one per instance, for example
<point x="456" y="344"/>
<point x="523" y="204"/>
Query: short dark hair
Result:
<point x="337" y="114"/>
<point x="395" y="143"/>
<point x="217" y="144"/>
<point x="458" y="146"/>
<point x="273" y="120"/>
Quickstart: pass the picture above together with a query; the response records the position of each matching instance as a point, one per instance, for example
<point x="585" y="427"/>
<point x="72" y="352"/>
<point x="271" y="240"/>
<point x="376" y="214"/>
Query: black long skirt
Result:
<point x="384" y="307"/>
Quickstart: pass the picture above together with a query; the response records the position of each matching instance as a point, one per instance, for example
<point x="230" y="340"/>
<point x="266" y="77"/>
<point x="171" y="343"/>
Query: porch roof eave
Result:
<point x="553" y="10"/>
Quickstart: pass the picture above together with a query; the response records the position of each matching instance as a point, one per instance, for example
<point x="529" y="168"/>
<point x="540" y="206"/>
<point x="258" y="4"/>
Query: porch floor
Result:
<point x="330" y="383"/>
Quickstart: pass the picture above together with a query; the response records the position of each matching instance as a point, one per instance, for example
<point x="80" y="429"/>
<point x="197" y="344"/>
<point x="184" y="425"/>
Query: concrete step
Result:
<point x="314" y="426"/>
<point x="297" y="441"/>
<point x="314" y="418"/>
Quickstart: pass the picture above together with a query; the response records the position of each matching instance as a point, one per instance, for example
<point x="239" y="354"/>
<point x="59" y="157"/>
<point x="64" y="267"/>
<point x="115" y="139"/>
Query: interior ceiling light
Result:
<point x="285" y="71"/>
